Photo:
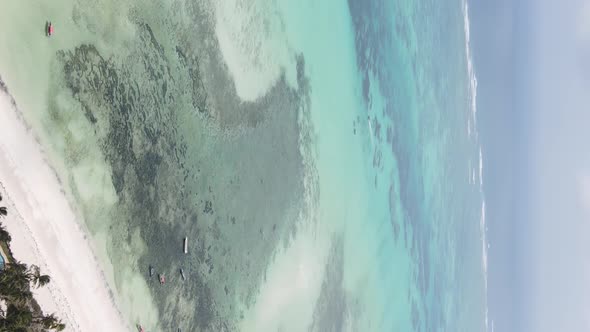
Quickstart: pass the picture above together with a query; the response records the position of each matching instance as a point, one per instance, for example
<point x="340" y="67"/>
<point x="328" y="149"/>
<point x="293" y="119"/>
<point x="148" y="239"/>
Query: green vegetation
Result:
<point x="22" y="312"/>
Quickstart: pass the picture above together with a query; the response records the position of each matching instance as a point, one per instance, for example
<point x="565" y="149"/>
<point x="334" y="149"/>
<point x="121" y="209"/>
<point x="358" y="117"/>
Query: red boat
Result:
<point x="140" y="328"/>
<point x="49" y="29"/>
<point x="162" y="279"/>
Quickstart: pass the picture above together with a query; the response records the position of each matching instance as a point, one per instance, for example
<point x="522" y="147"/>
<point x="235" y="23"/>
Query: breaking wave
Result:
<point x="473" y="134"/>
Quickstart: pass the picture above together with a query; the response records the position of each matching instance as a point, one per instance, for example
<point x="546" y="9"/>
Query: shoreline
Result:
<point x="47" y="232"/>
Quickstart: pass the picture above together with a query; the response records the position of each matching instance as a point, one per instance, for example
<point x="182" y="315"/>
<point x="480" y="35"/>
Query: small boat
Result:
<point x="49" y="29"/>
<point x="151" y="271"/>
<point x="185" y="245"/>
<point x="140" y="328"/>
<point x="162" y="279"/>
<point x="182" y="274"/>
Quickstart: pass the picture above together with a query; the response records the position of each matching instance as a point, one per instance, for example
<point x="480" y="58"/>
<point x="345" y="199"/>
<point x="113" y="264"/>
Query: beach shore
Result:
<point x="46" y="231"/>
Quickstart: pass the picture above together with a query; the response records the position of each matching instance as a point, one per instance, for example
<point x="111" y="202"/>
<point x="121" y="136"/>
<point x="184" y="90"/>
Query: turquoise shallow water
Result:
<point x="321" y="157"/>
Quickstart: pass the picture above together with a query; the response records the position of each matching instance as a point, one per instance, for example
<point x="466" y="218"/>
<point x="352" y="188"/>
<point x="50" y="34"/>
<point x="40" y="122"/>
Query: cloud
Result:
<point x="583" y="37"/>
<point x="584" y="191"/>
<point x="584" y="22"/>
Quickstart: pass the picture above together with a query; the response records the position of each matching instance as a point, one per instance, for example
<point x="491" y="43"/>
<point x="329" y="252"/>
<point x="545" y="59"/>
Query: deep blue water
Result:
<point x="424" y="117"/>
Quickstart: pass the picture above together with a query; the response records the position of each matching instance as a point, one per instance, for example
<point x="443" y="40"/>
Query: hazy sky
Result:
<point x="560" y="146"/>
<point x="533" y="66"/>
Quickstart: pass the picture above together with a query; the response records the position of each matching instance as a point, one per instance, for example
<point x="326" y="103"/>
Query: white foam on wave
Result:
<point x="482" y="224"/>
<point x="484" y="254"/>
<point x="472" y="122"/>
<point x="480" y="167"/>
<point x="473" y="133"/>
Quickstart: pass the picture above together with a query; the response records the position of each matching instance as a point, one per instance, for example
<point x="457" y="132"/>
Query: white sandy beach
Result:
<point x="46" y="231"/>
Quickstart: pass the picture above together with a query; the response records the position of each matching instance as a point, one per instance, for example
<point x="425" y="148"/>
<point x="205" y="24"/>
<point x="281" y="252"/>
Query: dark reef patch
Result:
<point x="188" y="158"/>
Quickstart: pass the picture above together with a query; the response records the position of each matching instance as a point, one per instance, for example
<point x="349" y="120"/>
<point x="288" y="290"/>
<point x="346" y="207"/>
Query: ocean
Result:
<point x="321" y="157"/>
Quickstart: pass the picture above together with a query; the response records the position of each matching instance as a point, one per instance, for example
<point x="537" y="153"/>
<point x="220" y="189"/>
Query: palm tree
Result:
<point x="50" y="322"/>
<point x="4" y="236"/>
<point x="3" y="212"/>
<point x="43" y="280"/>
<point x="18" y="317"/>
<point x="34" y="275"/>
<point x="15" y="289"/>
<point x="14" y="284"/>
